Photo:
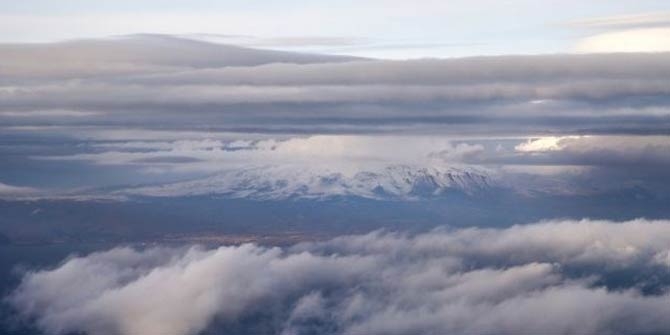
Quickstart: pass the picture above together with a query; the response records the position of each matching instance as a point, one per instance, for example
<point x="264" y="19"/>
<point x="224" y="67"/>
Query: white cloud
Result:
<point x="647" y="151"/>
<point x="633" y="40"/>
<point x="550" y="277"/>
<point x="542" y="144"/>
<point x="10" y="190"/>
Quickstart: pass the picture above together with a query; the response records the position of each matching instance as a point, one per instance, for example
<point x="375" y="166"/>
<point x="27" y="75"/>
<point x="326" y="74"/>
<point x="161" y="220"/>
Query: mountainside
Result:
<point x="401" y="182"/>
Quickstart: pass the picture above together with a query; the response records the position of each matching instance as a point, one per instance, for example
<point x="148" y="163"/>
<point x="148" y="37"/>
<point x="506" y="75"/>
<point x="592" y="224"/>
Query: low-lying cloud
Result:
<point x="559" y="277"/>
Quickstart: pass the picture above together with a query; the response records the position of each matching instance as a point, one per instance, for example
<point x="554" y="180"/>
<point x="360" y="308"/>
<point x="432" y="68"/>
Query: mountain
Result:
<point x="401" y="182"/>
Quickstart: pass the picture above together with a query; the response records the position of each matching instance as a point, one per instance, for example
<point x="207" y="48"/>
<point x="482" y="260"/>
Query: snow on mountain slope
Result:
<point x="286" y="181"/>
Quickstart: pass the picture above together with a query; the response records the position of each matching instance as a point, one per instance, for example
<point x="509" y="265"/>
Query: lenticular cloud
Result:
<point x="558" y="277"/>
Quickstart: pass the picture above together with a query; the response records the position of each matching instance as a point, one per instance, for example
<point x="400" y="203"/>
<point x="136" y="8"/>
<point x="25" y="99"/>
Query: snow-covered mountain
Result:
<point x="403" y="182"/>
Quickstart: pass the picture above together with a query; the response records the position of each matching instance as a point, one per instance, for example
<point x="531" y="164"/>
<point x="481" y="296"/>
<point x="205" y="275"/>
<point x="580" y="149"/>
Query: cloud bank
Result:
<point x="559" y="277"/>
<point x="170" y="82"/>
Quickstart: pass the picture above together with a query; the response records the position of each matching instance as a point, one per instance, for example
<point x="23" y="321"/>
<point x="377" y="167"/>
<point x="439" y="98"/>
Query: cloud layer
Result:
<point x="170" y="82"/>
<point x="562" y="277"/>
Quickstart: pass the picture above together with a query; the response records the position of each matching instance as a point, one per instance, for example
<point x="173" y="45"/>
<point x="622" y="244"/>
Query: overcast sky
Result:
<point x="376" y="28"/>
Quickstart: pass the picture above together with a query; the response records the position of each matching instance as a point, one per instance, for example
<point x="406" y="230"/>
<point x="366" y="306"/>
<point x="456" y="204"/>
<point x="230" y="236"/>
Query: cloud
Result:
<point x="645" y="32"/>
<point x="134" y="54"/>
<point x="625" y="21"/>
<point x="280" y="42"/>
<point x="10" y="191"/>
<point x="167" y="81"/>
<point x="47" y="113"/>
<point x="632" y="40"/>
<point x="604" y="151"/>
<point x="563" y="277"/>
<point x="429" y="72"/>
<point x="543" y="144"/>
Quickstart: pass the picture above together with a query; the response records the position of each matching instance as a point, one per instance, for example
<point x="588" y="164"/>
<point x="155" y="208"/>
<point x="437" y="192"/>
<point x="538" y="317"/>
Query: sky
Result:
<point x="350" y="167"/>
<point x="378" y="28"/>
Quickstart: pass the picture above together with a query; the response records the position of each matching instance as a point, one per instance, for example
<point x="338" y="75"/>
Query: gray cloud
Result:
<point x="133" y="54"/>
<point x="461" y="71"/>
<point x="169" y="81"/>
<point x="566" y="277"/>
<point x="112" y="96"/>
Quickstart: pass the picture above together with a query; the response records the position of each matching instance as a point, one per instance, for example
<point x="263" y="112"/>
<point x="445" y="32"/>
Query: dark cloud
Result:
<point x="559" y="277"/>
